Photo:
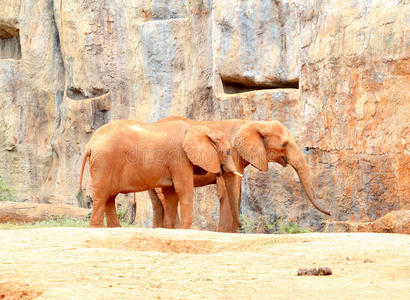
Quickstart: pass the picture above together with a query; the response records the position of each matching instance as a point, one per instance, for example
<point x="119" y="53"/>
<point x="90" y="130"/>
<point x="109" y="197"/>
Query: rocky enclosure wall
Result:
<point x="336" y="73"/>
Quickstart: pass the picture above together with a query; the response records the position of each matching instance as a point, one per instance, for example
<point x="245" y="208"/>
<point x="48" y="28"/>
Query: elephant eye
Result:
<point x="284" y="144"/>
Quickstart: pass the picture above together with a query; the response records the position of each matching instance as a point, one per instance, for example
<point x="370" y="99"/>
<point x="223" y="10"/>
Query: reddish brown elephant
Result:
<point x="128" y="156"/>
<point x="255" y="143"/>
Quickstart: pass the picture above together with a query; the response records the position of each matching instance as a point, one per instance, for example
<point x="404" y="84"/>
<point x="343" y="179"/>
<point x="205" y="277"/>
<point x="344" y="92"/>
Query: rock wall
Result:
<point x="336" y="74"/>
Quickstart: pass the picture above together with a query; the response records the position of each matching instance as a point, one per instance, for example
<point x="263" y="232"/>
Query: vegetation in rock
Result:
<point x="59" y="222"/>
<point x="263" y="225"/>
<point x="290" y="227"/>
<point x="123" y="209"/>
<point x="248" y="225"/>
<point x="6" y="192"/>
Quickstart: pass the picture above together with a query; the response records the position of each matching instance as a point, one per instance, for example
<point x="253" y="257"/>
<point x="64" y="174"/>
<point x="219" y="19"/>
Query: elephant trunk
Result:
<point x="229" y="165"/>
<point x="297" y="160"/>
<point x="223" y="196"/>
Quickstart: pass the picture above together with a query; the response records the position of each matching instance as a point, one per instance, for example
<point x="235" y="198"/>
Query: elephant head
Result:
<point x="208" y="149"/>
<point x="263" y="142"/>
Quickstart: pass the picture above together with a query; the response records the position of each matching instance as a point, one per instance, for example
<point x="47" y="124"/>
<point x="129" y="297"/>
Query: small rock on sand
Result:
<point x="321" y="271"/>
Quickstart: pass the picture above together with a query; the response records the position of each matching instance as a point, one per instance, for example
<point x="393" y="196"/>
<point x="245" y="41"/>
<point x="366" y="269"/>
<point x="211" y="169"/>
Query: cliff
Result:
<point x="335" y="73"/>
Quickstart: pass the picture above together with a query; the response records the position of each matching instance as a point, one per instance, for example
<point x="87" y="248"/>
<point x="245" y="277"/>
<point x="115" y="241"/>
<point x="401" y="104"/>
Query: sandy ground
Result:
<point x="139" y="263"/>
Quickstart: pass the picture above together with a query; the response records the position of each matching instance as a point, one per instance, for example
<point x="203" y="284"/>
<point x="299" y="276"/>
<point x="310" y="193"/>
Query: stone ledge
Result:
<point x="26" y="212"/>
<point x="393" y="222"/>
<point x="100" y="96"/>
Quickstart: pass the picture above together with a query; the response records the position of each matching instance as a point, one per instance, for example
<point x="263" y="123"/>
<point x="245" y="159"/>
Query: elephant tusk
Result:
<point x="239" y="174"/>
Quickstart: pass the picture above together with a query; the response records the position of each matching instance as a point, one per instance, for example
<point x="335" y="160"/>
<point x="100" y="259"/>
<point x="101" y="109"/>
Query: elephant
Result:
<point x="129" y="156"/>
<point x="254" y="143"/>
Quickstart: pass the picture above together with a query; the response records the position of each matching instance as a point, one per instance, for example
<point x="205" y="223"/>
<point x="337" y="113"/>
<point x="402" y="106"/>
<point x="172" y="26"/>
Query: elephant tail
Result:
<point x="86" y="155"/>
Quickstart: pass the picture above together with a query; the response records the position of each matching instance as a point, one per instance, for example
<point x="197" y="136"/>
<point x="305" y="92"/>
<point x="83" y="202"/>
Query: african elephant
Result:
<point x="129" y="156"/>
<point x="255" y="143"/>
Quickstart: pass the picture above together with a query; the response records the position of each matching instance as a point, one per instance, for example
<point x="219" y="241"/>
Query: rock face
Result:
<point x="336" y="74"/>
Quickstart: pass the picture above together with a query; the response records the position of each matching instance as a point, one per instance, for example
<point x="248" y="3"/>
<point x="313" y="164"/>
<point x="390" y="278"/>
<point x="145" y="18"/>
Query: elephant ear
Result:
<point x="249" y="143"/>
<point x="200" y="148"/>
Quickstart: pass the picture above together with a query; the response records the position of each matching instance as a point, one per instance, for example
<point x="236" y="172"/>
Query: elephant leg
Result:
<point x="170" y="207"/>
<point x="157" y="209"/>
<point x="233" y="189"/>
<point x="184" y="188"/>
<point x="111" y="214"/>
<point x="97" y="216"/>
<point x="133" y="210"/>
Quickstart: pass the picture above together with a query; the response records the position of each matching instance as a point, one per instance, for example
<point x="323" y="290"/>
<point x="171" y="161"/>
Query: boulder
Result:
<point x="24" y="212"/>
<point x="393" y="222"/>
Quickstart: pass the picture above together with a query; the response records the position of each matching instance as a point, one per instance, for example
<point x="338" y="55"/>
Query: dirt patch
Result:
<point x="140" y="263"/>
<point x="154" y="244"/>
<point x="11" y="291"/>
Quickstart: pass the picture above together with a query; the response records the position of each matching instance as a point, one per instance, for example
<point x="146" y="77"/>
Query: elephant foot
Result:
<point x="231" y="229"/>
<point x="235" y="228"/>
<point x="96" y="225"/>
<point x="114" y="225"/>
<point x="186" y="226"/>
<point x="224" y="229"/>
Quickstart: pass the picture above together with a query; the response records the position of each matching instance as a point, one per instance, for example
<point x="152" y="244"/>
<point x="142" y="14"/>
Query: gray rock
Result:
<point x="336" y="74"/>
